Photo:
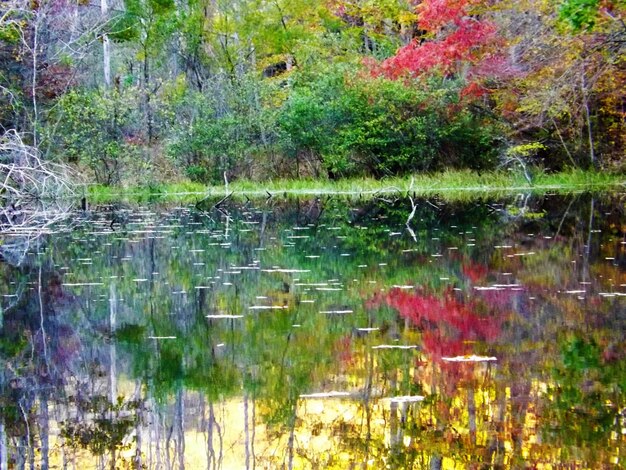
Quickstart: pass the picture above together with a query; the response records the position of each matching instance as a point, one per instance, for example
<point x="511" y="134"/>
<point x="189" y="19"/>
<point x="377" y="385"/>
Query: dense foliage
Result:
<point x="154" y="90"/>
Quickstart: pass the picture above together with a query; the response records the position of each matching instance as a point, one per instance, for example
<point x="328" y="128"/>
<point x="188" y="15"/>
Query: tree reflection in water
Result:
<point x="201" y="337"/>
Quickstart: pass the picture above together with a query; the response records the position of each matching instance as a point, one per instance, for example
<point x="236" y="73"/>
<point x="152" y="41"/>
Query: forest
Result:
<point x="146" y="92"/>
<point x="180" y="289"/>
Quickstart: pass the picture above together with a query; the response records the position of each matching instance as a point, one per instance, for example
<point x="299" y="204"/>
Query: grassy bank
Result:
<point x="451" y="185"/>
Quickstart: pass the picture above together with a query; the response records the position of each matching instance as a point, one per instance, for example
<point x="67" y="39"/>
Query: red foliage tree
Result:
<point x="455" y="42"/>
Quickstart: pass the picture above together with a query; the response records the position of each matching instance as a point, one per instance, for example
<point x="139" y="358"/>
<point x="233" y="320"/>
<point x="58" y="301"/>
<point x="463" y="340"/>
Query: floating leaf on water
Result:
<point x="286" y="270"/>
<point x="228" y="317"/>
<point x="406" y="399"/>
<point x="268" y="307"/>
<point x="332" y="394"/>
<point x="472" y="358"/>
<point x="77" y="284"/>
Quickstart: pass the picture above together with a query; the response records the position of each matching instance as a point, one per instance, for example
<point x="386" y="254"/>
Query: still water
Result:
<point x="318" y="333"/>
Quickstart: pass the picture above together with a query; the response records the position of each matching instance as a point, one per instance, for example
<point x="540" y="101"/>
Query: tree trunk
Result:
<point x="180" y="428"/>
<point x="146" y="93"/>
<point x="4" y="465"/>
<point x="45" y="431"/>
<point x="33" y="90"/>
<point x="106" y="45"/>
<point x="112" y="349"/>
<point x="112" y="363"/>
<point x="138" y="428"/>
<point x="471" y="412"/>
<point x="583" y="87"/>
<point x="246" y="429"/>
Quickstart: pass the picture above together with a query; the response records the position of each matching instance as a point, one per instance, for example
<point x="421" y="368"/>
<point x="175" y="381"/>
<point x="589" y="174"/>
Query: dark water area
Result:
<point x="318" y="333"/>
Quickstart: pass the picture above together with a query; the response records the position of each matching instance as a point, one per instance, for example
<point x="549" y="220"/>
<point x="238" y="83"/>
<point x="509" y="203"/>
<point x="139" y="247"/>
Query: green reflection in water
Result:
<point x="202" y="337"/>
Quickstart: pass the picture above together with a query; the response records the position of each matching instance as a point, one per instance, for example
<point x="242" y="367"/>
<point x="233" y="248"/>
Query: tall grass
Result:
<point x="448" y="184"/>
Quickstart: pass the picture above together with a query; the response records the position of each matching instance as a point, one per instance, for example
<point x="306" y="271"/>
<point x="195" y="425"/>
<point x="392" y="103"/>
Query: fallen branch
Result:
<point x="35" y="195"/>
<point x="25" y="177"/>
<point x="413" y="210"/>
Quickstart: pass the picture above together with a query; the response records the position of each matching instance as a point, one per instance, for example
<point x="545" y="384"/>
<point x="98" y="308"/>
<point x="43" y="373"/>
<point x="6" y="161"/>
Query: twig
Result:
<point x="222" y="200"/>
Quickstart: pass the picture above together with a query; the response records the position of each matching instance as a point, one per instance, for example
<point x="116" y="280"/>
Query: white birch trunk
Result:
<point x="4" y="448"/>
<point x="106" y="46"/>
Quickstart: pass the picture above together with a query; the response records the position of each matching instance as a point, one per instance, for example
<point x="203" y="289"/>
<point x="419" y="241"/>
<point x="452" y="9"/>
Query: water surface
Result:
<point x="318" y="333"/>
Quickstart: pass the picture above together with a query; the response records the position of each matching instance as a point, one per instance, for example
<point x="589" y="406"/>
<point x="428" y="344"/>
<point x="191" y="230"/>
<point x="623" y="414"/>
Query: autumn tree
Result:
<point x="458" y="39"/>
<point x="570" y="94"/>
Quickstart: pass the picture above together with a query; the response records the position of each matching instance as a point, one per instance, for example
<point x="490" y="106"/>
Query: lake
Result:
<point x="318" y="332"/>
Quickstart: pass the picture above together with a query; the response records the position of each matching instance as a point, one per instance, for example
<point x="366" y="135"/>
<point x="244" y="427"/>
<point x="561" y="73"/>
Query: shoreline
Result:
<point x="448" y="185"/>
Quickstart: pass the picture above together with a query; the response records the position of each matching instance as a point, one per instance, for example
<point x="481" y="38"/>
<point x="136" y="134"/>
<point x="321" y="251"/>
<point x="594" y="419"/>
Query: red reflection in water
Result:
<point x="449" y="326"/>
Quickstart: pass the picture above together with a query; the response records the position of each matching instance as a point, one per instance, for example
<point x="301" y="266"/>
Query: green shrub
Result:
<point x="210" y="136"/>
<point x="363" y="126"/>
<point x="197" y="173"/>
<point x="94" y="129"/>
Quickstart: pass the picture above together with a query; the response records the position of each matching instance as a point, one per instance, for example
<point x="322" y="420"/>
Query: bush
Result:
<point x="197" y="173"/>
<point x="212" y="135"/>
<point x="94" y="129"/>
<point x="363" y="126"/>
